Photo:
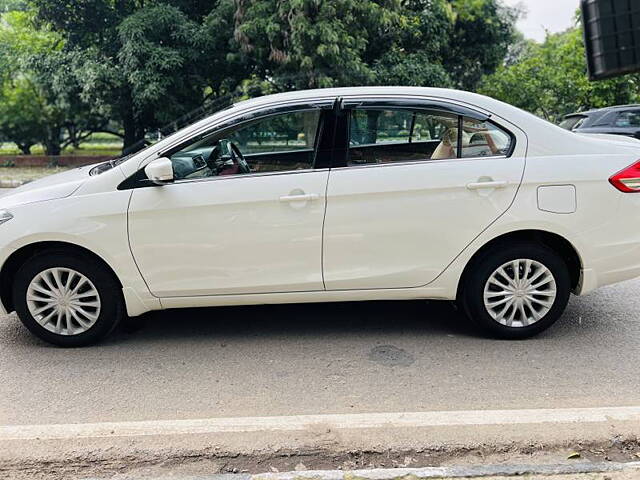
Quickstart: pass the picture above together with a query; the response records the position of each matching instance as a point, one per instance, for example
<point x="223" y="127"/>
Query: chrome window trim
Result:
<point x="245" y="175"/>
<point x="365" y="145"/>
<point x="422" y="162"/>
<point x="278" y="152"/>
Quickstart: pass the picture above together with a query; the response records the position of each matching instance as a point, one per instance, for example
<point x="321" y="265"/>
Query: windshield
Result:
<point x="572" y="123"/>
<point x="109" y="164"/>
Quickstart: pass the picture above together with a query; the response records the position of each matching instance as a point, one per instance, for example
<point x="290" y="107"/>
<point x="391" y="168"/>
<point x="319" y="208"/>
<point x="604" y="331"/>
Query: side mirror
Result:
<point x="160" y="171"/>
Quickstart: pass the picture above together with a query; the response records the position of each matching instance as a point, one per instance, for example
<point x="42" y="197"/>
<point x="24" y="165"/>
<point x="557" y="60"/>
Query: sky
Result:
<point x="552" y="15"/>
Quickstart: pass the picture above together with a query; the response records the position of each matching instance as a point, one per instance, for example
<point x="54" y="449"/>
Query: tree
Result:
<point x="68" y="118"/>
<point x="39" y="88"/>
<point x="12" y="5"/>
<point x="22" y="118"/>
<point x="311" y="44"/>
<point x="415" y="56"/>
<point x="482" y="32"/>
<point x="398" y="67"/>
<point x="550" y="80"/>
<point x="146" y="62"/>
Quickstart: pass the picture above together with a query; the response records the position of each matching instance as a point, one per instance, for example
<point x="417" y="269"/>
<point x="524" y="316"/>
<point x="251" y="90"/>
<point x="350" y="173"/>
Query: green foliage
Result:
<point x="92" y="64"/>
<point x="23" y="108"/>
<point x="426" y="27"/>
<point x="159" y="60"/>
<point x="20" y="116"/>
<point x="482" y="33"/>
<point x="310" y="43"/>
<point x="550" y="80"/>
<point x="224" y="65"/>
<point x="19" y="39"/>
<point x="146" y="63"/>
<point x="415" y="57"/>
<point x="12" y="5"/>
<point x="414" y="69"/>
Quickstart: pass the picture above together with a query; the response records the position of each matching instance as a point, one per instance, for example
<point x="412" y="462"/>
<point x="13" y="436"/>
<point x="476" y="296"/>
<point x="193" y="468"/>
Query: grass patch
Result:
<point x="26" y="174"/>
<point x="97" y="144"/>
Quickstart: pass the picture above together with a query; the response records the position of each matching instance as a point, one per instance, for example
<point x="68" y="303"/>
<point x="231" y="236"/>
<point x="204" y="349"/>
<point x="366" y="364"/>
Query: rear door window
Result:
<point x="484" y="139"/>
<point x="382" y="136"/>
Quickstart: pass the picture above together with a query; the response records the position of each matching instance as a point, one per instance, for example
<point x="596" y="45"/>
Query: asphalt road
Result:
<point x="331" y="358"/>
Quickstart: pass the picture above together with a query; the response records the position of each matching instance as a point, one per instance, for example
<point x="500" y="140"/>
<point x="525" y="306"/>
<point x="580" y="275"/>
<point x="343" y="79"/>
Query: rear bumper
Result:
<point x="590" y="280"/>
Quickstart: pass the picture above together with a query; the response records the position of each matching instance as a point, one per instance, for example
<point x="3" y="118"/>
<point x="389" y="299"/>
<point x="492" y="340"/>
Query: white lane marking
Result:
<point x="333" y="421"/>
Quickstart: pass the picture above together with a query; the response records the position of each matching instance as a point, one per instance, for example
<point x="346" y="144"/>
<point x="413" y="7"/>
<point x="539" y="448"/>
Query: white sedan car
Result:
<point x="329" y="195"/>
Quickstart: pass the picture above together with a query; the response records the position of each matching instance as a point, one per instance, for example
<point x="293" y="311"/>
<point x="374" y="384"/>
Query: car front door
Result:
<point x="411" y="189"/>
<point x="218" y="230"/>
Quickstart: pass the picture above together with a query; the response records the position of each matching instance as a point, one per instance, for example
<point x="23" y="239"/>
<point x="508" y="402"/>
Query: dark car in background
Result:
<point x="618" y="120"/>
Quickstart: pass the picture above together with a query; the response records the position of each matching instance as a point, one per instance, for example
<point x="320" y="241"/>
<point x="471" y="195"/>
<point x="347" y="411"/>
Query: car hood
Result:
<point x="52" y="187"/>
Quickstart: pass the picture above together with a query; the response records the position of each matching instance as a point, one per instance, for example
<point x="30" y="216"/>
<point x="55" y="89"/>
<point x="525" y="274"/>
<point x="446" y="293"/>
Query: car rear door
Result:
<point x="398" y="215"/>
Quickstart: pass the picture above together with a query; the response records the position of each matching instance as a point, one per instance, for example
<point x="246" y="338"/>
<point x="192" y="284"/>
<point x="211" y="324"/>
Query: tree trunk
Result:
<point x="25" y="148"/>
<point x="133" y="132"/>
<point x="129" y="127"/>
<point x="74" y="134"/>
<point x="52" y="145"/>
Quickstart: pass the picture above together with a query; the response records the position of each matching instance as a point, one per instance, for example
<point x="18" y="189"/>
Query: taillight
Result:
<point x="627" y="180"/>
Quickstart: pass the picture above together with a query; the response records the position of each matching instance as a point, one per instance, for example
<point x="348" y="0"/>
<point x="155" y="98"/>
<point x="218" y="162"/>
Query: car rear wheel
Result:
<point x="67" y="300"/>
<point x="516" y="291"/>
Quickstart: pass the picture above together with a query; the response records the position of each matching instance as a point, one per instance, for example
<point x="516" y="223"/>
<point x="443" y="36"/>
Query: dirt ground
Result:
<point x="184" y="464"/>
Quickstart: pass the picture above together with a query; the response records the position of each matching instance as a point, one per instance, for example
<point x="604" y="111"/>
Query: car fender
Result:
<point x="98" y="225"/>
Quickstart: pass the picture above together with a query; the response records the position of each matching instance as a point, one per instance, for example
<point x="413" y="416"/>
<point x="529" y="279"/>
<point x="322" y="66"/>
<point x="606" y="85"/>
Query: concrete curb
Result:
<point x="452" y="472"/>
<point x="428" y="472"/>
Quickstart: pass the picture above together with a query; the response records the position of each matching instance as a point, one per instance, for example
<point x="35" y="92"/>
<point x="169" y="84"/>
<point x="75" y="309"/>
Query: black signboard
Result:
<point x="612" y="37"/>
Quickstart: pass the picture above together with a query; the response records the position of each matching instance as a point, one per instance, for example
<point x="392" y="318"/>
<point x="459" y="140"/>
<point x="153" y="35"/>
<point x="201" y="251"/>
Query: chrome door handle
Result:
<point x="480" y="185"/>
<point x="299" y="198"/>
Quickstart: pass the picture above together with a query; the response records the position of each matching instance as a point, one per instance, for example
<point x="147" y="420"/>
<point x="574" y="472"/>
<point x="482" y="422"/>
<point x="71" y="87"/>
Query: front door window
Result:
<point x="270" y="144"/>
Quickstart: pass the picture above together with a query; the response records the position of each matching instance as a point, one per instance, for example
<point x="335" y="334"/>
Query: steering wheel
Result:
<point x="238" y="158"/>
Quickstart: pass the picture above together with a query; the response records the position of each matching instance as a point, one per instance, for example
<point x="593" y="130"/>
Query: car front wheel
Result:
<point x="516" y="291"/>
<point x="67" y="300"/>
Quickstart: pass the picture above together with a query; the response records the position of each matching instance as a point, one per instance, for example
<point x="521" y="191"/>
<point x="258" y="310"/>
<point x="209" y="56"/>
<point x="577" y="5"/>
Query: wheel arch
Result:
<point x="24" y="253"/>
<point x="556" y="242"/>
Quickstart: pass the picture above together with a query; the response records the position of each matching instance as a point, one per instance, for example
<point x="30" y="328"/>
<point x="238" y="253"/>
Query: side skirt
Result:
<point x="433" y="293"/>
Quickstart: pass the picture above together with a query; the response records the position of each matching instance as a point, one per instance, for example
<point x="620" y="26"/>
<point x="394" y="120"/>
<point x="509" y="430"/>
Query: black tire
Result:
<point x="472" y="294"/>
<point x="111" y="301"/>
